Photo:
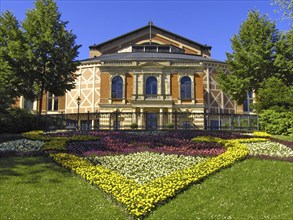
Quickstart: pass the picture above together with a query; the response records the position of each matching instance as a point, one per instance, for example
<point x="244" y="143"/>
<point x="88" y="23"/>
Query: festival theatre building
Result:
<point x="151" y="78"/>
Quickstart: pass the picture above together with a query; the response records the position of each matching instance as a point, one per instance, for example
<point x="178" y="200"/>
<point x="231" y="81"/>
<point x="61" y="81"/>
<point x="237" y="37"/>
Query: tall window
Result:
<point x="28" y="104"/>
<point x="185" y="88"/>
<point x="247" y="104"/>
<point x="117" y="87"/>
<point x="52" y="102"/>
<point x="151" y="86"/>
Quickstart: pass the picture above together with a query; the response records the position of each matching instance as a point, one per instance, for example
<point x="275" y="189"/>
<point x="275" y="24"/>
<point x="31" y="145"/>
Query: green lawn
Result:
<point x="252" y="189"/>
<point x="284" y="138"/>
<point x="36" y="188"/>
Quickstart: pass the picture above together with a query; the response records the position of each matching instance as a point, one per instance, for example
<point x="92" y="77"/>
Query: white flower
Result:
<point x="269" y="148"/>
<point x="22" y="145"/>
<point x="146" y="166"/>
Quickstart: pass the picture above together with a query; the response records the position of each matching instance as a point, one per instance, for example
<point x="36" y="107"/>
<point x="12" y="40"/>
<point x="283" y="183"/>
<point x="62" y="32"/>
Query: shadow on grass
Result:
<point x="9" y="137"/>
<point x="6" y="173"/>
<point x="31" y="170"/>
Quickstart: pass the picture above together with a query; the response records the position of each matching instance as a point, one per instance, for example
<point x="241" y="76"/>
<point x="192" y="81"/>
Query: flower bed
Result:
<point x="57" y="142"/>
<point x="139" y="199"/>
<point x="22" y="145"/>
<point x="145" y="166"/>
<point x="269" y="148"/>
<point x="125" y="143"/>
<point x="142" y="172"/>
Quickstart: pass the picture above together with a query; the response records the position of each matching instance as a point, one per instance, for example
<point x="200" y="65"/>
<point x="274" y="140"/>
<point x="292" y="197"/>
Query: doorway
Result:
<point x="151" y="121"/>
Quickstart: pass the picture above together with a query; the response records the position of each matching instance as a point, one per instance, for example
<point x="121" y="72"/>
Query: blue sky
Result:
<point x="207" y="22"/>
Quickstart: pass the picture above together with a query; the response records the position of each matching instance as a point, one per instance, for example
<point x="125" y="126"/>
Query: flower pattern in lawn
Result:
<point x="22" y="145"/>
<point x="145" y="166"/>
<point x="269" y="148"/>
<point x="139" y="199"/>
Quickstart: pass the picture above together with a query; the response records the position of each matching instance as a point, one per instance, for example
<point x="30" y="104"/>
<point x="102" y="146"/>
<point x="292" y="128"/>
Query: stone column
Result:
<point x="161" y="118"/>
<point x="192" y="77"/>
<point x="170" y="116"/>
<point x="208" y="88"/>
<point x="134" y="90"/>
<point x="167" y="84"/>
<point x="141" y="119"/>
<point x="134" y="114"/>
<point x="140" y="84"/>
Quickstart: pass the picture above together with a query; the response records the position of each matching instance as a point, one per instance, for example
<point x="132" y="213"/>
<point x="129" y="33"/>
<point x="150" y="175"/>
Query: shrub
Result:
<point x="16" y="120"/>
<point x="35" y="135"/>
<point x="55" y="144"/>
<point x="277" y="123"/>
<point x="134" y="126"/>
<point x="170" y="125"/>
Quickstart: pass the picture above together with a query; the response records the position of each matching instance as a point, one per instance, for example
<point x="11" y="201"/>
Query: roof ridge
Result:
<point x="147" y="26"/>
<point x="126" y="56"/>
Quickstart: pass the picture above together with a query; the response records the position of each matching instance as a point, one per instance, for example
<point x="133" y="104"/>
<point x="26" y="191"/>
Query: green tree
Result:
<point x="51" y="50"/>
<point x="274" y="94"/>
<point x="284" y="58"/>
<point x="253" y="56"/>
<point x="286" y="7"/>
<point x="12" y="50"/>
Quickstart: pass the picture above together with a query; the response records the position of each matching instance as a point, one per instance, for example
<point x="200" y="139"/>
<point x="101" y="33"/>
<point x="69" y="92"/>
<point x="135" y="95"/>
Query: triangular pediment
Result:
<point x="150" y="34"/>
<point x="153" y="64"/>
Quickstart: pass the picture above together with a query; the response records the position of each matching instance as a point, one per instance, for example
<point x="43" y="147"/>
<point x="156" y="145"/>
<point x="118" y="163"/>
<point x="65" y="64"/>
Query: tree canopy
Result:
<point x="12" y="50"/>
<point x="274" y="94"/>
<point x="44" y="58"/>
<point x="285" y="7"/>
<point x="51" y="50"/>
<point x="260" y="52"/>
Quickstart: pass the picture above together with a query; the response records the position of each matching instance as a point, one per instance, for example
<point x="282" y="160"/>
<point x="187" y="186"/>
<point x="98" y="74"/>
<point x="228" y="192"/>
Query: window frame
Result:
<point x="118" y="89"/>
<point x="185" y="94"/>
<point x="151" y="88"/>
<point x="53" y="102"/>
<point x="248" y="101"/>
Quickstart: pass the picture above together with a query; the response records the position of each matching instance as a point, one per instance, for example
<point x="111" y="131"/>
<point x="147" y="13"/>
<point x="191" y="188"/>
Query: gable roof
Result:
<point x="97" y="46"/>
<point x="150" y="57"/>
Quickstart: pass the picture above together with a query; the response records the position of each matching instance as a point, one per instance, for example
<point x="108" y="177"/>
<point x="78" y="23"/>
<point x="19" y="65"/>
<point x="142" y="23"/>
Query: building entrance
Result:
<point x="151" y="121"/>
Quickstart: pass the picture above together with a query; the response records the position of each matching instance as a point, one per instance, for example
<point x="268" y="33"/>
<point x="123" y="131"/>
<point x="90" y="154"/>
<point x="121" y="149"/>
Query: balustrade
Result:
<point x="152" y="97"/>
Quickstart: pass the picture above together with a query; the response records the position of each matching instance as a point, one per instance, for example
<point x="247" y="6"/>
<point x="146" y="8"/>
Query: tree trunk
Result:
<point x="41" y="98"/>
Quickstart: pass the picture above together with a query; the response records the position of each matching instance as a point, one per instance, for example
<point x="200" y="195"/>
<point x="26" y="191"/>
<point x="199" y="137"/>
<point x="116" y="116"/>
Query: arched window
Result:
<point x="185" y="88"/>
<point x="151" y="86"/>
<point x="52" y="102"/>
<point x="117" y="87"/>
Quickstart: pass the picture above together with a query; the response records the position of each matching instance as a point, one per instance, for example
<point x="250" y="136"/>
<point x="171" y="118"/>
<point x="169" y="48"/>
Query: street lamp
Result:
<point x="78" y="104"/>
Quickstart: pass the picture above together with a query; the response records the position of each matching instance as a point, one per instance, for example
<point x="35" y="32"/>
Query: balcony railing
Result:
<point x="177" y="120"/>
<point x="151" y="97"/>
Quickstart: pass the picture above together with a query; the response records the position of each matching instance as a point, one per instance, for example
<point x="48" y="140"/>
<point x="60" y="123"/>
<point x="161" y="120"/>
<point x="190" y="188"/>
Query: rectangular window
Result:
<point x="186" y="125"/>
<point x="52" y="102"/>
<point x="164" y="49"/>
<point x="248" y="101"/>
<point x="151" y="49"/>
<point x="214" y="125"/>
<point x="85" y="125"/>
<point x="138" y="49"/>
<point x="28" y="104"/>
<point x="116" y="125"/>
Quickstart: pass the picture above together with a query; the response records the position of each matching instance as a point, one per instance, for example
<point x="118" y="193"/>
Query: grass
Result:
<point x="252" y="189"/>
<point x="283" y="137"/>
<point x="36" y="188"/>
